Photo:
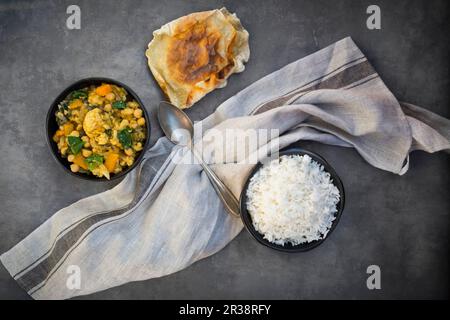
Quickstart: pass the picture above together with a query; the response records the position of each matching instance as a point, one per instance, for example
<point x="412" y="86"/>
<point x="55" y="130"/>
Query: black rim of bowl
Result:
<point x="52" y="126"/>
<point x="247" y="220"/>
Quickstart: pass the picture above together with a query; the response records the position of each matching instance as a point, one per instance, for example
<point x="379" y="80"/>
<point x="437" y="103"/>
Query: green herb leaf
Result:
<point x="125" y="137"/>
<point x="93" y="161"/>
<point x="119" y="104"/>
<point x="79" y="94"/>
<point x="75" y="144"/>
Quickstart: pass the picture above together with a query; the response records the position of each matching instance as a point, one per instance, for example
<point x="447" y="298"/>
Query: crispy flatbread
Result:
<point x="192" y="55"/>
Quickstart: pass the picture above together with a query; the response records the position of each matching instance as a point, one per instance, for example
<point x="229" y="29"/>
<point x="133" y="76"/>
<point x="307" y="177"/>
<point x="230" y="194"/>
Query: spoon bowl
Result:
<point x="175" y="124"/>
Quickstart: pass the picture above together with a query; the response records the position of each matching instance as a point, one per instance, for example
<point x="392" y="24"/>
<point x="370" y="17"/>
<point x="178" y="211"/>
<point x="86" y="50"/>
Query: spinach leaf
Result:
<point x="119" y="104"/>
<point x="75" y="144"/>
<point x="78" y="94"/>
<point x="93" y="161"/>
<point x="125" y="137"/>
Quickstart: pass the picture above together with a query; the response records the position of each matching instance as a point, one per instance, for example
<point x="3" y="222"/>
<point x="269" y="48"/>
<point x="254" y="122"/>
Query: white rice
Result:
<point x="292" y="200"/>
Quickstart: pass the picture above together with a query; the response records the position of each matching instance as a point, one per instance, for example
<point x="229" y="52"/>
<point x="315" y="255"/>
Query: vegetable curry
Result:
<point x="101" y="130"/>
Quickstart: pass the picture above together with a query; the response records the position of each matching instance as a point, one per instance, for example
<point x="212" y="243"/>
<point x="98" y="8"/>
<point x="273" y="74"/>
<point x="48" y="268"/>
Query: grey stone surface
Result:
<point x="398" y="223"/>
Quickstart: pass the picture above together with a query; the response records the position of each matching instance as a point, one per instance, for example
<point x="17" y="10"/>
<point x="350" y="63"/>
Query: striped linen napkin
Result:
<point x="165" y="216"/>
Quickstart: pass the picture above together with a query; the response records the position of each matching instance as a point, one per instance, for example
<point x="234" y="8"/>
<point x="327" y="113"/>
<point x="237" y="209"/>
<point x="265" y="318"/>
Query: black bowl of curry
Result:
<point x="98" y="129"/>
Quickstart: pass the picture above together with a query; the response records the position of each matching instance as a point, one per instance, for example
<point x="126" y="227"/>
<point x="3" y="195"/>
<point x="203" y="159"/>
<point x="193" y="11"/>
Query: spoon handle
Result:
<point x="229" y="201"/>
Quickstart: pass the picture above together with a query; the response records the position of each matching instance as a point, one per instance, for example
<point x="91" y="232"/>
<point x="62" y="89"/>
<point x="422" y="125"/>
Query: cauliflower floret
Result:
<point x="101" y="171"/>
<point x="93" y="123"/>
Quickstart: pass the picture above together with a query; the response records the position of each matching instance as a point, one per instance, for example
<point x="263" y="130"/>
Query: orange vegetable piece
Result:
<point x="79" y="160"/>
<point x="76" y="103"/>
<point x="57" y="134"/>
<point x="68" y="128"/>
<point x="103" y="90"/>
<point x="111" y="161"/>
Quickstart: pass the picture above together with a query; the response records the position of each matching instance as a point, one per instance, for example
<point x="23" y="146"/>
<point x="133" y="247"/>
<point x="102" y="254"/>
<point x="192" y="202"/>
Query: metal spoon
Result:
<point x="179" y="129"/>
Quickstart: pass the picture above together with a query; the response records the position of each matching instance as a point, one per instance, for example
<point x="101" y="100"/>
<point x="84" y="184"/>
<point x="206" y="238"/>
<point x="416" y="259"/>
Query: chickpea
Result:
<point x="132" y="104"/>
<point x="63" y="150"/>
<point x="74" y="167"/>
<point x="108" y="107"/>
<point x="141" y="122"/>
<point x="95" y="99"/>
<point x="86" y="145"/>
<point x="129" y="152"/>
<point x="137" y="146"/>
<point x="127" y="112"/>
<point x="79" y="127"/>
<point x="110" y="96"/>
<point x="86" y="153"/>
<point x="137" y="113"/>
<point x="129" y="161"/>
<point x="71" y="157"/>
<point x="74" y="133"/>
<point x="85" y="138"/>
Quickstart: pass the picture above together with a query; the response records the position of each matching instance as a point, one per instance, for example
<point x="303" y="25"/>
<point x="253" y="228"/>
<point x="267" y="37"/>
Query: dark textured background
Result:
<point x="398" y="223"/>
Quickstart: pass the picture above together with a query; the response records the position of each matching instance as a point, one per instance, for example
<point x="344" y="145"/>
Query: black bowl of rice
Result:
<point x="292" y="203"/>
